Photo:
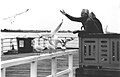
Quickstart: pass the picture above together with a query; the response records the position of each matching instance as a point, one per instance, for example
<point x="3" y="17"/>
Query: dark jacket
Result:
<point x="78" y="19"/>
<point x="88" y="24"/>
<point x="99" y="25"/>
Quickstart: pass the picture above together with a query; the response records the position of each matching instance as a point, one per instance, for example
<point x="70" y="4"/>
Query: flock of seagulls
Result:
<point x="52" y="41"/>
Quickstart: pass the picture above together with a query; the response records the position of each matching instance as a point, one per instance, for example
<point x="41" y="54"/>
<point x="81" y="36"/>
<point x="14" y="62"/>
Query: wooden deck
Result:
<point x="44" y="66"/>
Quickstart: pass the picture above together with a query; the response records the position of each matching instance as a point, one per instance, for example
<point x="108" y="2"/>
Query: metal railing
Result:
<point x="34" y="59"/>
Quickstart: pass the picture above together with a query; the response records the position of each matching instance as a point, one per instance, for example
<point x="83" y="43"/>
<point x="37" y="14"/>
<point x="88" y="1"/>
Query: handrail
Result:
<point x="33" y="60"/>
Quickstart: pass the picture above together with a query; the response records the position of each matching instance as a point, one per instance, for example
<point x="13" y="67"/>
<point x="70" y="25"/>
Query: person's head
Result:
<point x="85" y="12"/>
<point x="92" y="15"/>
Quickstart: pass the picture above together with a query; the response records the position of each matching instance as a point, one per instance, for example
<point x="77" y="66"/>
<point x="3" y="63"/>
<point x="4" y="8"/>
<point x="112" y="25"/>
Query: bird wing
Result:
<point x="56" y="30"/>
<point x="53" y="32"/>
<point x="22" y="12"/>
<point x="69" y="39"/>
<point x="15" y="15"/>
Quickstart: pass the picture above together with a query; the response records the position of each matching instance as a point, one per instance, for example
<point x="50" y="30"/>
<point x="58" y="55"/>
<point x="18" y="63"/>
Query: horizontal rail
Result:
<point x="34" y="59"/>
<point x="13" y="62"/>
<point x="61" y="73"/>
<point x="8" y="41"/>
<point x="8" y="45"/>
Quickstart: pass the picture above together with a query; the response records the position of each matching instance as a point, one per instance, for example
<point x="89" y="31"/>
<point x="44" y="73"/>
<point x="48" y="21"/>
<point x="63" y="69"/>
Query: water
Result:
<point x="21" y="34"/>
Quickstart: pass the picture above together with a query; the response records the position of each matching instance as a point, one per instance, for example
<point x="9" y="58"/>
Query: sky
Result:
<point x="45" y="14"/>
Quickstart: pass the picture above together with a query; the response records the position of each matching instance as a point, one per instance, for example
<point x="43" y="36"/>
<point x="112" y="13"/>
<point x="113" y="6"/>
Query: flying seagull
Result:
<point x="12" y="18"/>
<point x="52" y="41"/>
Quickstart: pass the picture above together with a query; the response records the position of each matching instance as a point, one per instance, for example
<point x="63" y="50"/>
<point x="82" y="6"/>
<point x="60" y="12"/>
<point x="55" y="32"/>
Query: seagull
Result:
<point x="12" y="18"/>
<point x="52" y="41"/>
<point x="107" y="32"/>
<point x="36" y="46"/>
<point x="64" y="42"/>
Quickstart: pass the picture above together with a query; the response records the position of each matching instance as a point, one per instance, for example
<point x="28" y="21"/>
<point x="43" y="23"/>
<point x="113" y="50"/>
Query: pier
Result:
<point x="98" y="55"/>
<point x="34" y="60"/>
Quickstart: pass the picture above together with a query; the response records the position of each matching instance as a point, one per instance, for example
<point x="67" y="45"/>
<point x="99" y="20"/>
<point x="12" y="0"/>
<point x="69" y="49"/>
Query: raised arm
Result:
<point x="77" y="19"/>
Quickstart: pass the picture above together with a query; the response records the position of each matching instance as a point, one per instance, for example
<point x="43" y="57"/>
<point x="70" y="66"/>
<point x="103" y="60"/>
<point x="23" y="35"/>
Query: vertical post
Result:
<point x="3" y="72"/>
<point x="80" y="35"/>
<point x="10" y="43"/>
<point x="38" y="41"/>
<point x="70" y="65"/>
<point x="80" y="51"/>
<point x="1" y="46"/>
<point x="54" y="67"/>
<point x="33" y="70"/>
<point x="43" y="42"/>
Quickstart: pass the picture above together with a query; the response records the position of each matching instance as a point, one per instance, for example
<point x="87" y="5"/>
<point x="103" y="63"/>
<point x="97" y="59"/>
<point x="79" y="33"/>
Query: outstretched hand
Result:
<point x="63" y="12"/>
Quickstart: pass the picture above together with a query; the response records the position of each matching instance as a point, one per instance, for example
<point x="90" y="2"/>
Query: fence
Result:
<point x="34" y="59"/>
<point x="6" y="43"/>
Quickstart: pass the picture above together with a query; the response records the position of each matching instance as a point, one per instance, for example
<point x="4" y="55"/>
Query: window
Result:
<point x="21" y="43"/>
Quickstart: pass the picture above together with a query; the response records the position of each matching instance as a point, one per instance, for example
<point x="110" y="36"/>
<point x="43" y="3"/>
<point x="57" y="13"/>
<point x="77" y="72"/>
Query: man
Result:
<point x="97" y="22"/>
<point x="82" y="19"/>
<point x="87" y="22"/>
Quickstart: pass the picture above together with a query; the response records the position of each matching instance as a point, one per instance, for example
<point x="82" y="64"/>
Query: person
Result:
<point x="87" y="23"/>
<point x="82" y="19"/>
<point x="13" y="47"/>
<point x="96" y="21"/>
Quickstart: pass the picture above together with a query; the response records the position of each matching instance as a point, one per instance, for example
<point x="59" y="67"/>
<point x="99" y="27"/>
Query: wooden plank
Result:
<point x="54" y="67"/>
<point x="70" y="65"/>
<point x="3" y="72"/>
<point x="33" y="69"/>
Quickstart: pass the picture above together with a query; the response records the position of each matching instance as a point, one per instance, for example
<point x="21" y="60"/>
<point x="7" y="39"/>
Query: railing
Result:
<point x="6" y="43"/>
<point x="34" y="59"/>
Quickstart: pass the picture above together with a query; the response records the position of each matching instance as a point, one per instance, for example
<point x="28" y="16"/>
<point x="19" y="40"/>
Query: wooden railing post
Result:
<point x="54" y="67"/>
<point x="70" y="65"/>
<point x="3" y="72"/>
<point x="33" y="70"/>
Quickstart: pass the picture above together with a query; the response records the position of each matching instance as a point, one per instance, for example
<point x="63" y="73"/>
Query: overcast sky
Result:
<point x="45" y="14"/>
